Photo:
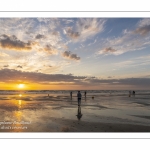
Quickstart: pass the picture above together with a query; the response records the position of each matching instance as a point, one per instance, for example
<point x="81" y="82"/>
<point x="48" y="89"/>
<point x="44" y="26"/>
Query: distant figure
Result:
<point x="92" y="97"/>
<point x="79" y="115"/>
<point x="71" y="94"/>
<point x="85" y="93"/>
<point x="79" y="98"/>
<point x="133" y="93"/>
<point x="129" y="93"/>
<point x="48" y="95"/>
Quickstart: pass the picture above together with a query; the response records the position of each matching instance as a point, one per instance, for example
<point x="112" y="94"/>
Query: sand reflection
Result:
<point x="79" y="114"/>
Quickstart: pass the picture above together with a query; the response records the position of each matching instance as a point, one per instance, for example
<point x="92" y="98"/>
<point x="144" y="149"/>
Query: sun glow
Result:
<point x="21" y="86"/>
<point x="20" y="95"/>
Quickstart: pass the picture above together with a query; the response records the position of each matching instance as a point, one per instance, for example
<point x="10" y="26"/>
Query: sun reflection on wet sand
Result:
<point x="18" y="115"/>
<point x="20" y="102"/>
<point x="42" y="112"/>
<point x="20" y="95"/>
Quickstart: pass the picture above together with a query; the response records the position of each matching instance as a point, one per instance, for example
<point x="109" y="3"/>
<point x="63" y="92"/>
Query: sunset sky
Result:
<point x="74" y="53"/>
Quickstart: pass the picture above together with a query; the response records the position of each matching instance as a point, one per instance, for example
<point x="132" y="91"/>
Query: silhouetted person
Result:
<point x="85" y="93"/>
<point x="79" y="115"/>
<point x="133" y="93"/>
<point x="71" y="94"/>
<point x="79" y="98"/>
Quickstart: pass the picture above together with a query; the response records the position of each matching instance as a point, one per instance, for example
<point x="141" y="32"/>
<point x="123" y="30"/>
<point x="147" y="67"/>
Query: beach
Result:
<point x="100" y="111"/>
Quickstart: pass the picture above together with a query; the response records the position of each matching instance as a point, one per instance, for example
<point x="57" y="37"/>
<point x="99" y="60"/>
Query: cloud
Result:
<point x="11" y="42"/>
<point x="138" y="61"/>
<point x="68" y="21"/>
<point x="143" y="30"/>
<point x="11" y="75"/>
<point x="68" y="55"/>
<point x="107" y="50"/>
<point x="126" y="81"/>
<point x="6" y="66"/>
<point x="109" y="77"/>
<point x="143" y="22"/>
<point x="90" y="26"/>
<point x="50" y="50"/>
<point x="39" y="36"/>
<point x="125" y="43"/>
<point x="19" y="66"/>
<point x="85" y="28"/>
<point x="71" y="34"/>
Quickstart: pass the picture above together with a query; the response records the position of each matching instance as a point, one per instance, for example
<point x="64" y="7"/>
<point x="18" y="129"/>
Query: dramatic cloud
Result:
<point x="108" y="50"/>
<point x="143" y="30"/>
<point x="40" y="47"/>
<point x="13" y="75"/>
<point x="68" y="55"/>
<point x="9" y="75"/>
<point x="11" y="42"/>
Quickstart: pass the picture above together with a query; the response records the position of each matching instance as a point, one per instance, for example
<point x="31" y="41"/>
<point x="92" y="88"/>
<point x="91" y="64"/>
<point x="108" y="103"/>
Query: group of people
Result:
<point x="131" y="93"/>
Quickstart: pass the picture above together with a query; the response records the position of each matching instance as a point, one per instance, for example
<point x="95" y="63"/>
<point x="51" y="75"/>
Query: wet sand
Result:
<point x="59" y="113"/>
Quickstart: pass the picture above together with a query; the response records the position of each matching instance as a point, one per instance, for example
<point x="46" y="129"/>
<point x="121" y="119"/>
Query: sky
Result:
<point x="74" y="53"/>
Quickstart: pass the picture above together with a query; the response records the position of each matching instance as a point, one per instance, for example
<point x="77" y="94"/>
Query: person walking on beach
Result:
<point x="79" y="98"/>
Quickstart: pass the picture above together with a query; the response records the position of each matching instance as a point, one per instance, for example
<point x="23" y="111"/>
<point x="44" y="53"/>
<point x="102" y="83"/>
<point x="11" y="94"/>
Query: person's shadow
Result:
<point x="79" y="115"/>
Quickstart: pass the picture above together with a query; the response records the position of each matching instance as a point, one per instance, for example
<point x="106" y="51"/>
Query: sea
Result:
<point x="74" y="92"/>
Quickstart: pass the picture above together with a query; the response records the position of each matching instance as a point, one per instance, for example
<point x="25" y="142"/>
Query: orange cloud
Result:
<point x="11" y="42"/>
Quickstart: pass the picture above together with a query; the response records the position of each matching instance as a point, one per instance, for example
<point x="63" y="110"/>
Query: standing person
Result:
<point x="79" y="98"/>
<point x="85" y="93"/>
<point x="133" y="93"/>
<point x="71" y="94"/>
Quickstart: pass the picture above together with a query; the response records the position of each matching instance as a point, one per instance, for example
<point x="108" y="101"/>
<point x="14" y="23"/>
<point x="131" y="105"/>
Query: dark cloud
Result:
<point x="19" y="66"/>
<point x="11" y="42"/>
<point x="6" y="66"/>
<point x="50" y="49"/>
<point x="143" y="30"/>
<point x="71" y="34"/>
<point x="109" y="77"/>
<point x="40" y="36"/>
<point x="11" y="75"/>
<point x="107" y="50"/>
<point x="127" y="81"/>
<point x="67" y="54"/>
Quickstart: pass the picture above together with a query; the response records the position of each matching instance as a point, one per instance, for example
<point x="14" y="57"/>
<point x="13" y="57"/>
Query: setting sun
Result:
<point x="21" y="86"/>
